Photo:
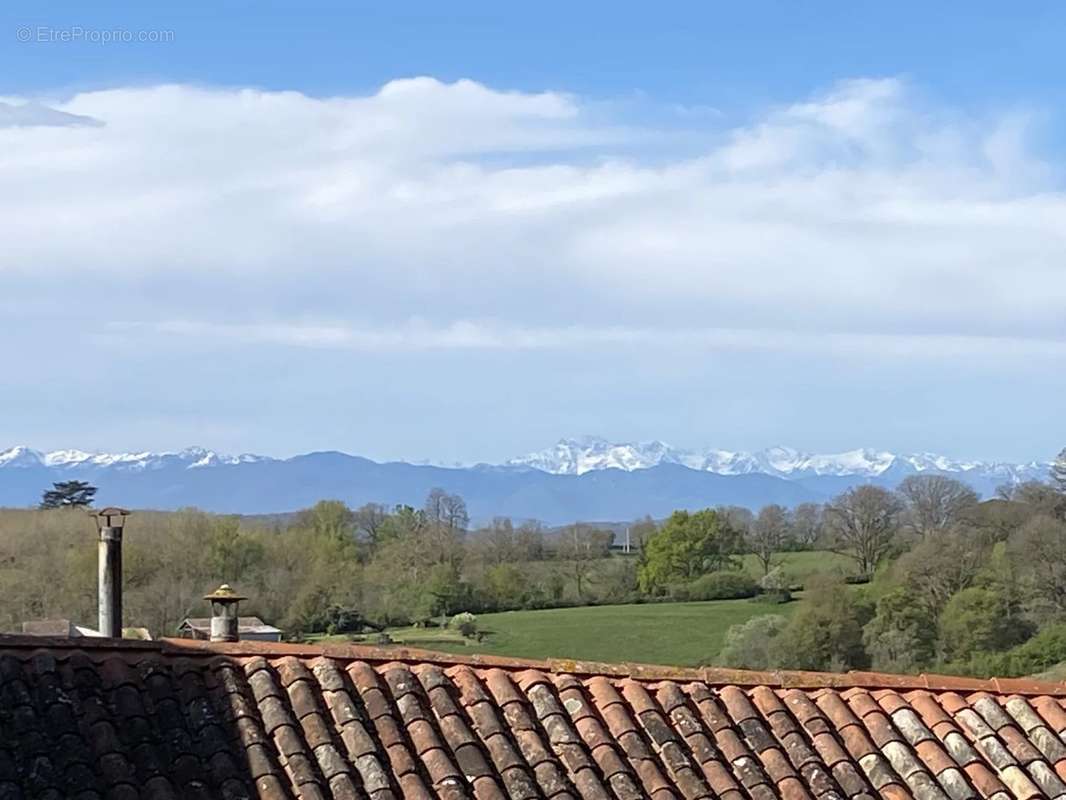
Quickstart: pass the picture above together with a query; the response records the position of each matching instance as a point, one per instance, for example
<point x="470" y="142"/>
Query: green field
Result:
<point x="802" y="564"/>
<point x="684" y="634"/>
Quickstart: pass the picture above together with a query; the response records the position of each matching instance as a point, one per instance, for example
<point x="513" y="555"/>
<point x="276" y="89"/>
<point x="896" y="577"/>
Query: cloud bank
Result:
<point x="281" y="219"/>
<point x="453" y="271"/>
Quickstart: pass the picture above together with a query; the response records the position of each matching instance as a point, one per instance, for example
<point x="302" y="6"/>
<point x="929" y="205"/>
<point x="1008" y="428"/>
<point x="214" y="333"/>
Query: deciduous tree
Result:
<point x="861" y="523"/>
<point x="767" y="534"/>
<point x="902" y="635"/>
<point x="446" y="523"/>
<point x="330" y="518"/>
<point x="1038" y="551"/>
<point x="807" y="524"/>
<point x="580" y="547"/>
<point x="940" y="566"/>
<point x="688" y="545"/>
<point x="978" y="620"/>
<point x="825" y="632"/>
<point x="370" y="521"/>
<point x="935" y="502"/>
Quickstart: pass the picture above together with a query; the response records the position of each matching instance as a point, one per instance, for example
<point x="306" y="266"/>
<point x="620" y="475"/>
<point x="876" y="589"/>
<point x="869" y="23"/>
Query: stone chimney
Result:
<point x="110" y="522"/>
<point x="224" y="619"/>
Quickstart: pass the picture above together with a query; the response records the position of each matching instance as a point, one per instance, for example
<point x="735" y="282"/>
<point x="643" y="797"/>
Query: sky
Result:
<point x="460" y="232"/>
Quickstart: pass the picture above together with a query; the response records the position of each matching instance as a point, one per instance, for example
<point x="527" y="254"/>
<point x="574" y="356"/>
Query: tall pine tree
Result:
<point x="68" y="494"/>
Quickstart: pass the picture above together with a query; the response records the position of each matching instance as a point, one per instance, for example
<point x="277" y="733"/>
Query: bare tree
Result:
<point x="447" y="520"/>
<point x="529" y="538"/>
<point x="642" y="530"/>
<point x="581" y="546"/>
<point x="861" y="523"/>
<point x="767" y="534"/>
<point x="1039" y="548"/>
<point x="1006" y="491"/>
<point x="934" y="503"/>
<point x="736" y="517"/>
<point x="370" y="521"/>
<point x="1036" y="497"/>
<point x="498" y="541"/>
<point x="807" y="523"/>
<point x="455" y="514"/>
<point x="447" y="511"/>
<point x="939" y="566"/>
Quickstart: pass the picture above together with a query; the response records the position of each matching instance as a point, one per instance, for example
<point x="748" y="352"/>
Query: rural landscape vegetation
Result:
<point x="923" y="577"/>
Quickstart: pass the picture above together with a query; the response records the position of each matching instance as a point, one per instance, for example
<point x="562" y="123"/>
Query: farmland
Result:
<point x="683" y="634"/>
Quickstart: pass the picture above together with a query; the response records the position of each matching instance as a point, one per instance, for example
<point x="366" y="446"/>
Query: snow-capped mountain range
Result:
<point x="190" y="458"/>
<point x="577" y="479"/>
<point x="591" y="453"/>
<point x="588" y="453"/>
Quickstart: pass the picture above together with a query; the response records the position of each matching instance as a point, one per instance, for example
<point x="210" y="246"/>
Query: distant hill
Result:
<point x="588" y="479"/>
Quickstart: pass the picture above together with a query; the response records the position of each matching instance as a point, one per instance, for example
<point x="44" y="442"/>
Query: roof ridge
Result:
<point x="778" y="679"/>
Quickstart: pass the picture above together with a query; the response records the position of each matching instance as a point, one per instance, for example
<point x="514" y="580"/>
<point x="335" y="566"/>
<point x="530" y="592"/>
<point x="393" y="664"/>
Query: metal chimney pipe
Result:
<point x="110" y="522"/>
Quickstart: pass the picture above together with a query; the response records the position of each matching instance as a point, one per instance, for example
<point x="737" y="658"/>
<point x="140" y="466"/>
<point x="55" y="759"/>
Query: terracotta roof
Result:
<point x="185" y="719"/>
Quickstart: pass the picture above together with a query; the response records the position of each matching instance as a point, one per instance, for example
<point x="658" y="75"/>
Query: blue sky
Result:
<point x="458" y="233"/>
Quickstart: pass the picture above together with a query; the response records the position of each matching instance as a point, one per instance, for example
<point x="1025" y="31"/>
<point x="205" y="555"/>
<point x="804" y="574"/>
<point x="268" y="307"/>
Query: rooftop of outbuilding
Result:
<point x="245" y="624"/>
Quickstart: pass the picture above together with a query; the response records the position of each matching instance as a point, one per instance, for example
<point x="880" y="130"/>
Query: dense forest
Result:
<point x="938" y="579"/>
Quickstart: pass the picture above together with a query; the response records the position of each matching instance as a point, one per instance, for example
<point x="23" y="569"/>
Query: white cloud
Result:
<point x="276" y="218"/>
<point x="416" y="335"/>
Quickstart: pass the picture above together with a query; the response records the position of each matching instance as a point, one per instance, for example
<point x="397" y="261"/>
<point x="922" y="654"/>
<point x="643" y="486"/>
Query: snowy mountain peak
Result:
<point x="587" y="453"/>
<point x="21" y="456"/>
<point x="190" y="458"/>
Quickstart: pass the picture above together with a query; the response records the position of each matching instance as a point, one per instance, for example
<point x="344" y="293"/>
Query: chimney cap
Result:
<point x="224" y="594"/>
<point x="109" y="512"/>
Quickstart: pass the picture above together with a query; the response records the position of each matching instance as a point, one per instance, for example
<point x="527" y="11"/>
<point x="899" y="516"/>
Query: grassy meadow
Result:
<point x="802" y="564"/>
<point x="682" y="634"/>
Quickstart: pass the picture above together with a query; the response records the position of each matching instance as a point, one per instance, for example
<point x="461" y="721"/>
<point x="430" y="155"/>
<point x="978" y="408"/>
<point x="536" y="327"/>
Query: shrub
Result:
<point x="465" y="623"/>
<point x="346" y="619"/>
<point x="748" y="645"/>
<point x="717" y="586"/>
<point x="825" y="633"/>
<point x="775" y="586"/>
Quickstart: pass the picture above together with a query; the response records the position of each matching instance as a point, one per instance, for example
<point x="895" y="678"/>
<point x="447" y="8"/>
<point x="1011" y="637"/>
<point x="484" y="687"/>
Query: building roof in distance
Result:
<point x="173" y="718"/>
<point x="57" y="627"/>
<point x="245" y="625"/>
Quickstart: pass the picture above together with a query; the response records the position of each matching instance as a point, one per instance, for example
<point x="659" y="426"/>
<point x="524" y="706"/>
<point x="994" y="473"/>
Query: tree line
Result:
<point x="958" y="585"/>
<point x="326" y="566"/>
